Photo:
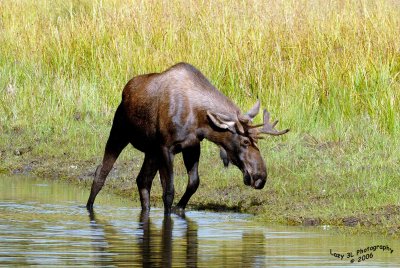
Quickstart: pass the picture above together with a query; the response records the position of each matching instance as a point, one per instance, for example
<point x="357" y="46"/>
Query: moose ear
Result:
<point x="221" y="121"/>
<point x="248" y="117"/>
<point x="254" y="110"/>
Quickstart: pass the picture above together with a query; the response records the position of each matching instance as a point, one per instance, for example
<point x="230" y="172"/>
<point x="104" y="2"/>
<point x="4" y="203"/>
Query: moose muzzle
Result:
<point x="255" y="181"/>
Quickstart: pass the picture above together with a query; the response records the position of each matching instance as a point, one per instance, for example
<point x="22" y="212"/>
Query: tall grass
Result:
<point x="315" y="64"/>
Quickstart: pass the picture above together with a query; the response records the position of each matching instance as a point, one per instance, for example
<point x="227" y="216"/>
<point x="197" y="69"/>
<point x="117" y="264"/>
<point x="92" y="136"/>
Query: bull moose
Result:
<point x="162" y="114"/>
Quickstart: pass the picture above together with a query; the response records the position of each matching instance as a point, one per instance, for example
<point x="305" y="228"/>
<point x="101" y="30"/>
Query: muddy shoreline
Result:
<point x="121" y="182"/>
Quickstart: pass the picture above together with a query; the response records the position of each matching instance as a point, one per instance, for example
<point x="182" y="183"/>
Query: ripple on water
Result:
<point x="45" y="223"/>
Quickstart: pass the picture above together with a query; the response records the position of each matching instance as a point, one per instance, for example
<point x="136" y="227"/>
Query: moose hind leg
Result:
<point x="145" y="179"/>
<point x="167" y="179"/>
<point x="191" y="158"/>
<point x="113" y="149"/>
<point x="115" y="144"/>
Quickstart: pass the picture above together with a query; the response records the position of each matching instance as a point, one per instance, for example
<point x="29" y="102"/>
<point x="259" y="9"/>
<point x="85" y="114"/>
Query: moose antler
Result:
<point x="268" y="128"/>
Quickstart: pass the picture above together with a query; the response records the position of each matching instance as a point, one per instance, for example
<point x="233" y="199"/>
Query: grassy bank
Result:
<point x="329" y="70"/>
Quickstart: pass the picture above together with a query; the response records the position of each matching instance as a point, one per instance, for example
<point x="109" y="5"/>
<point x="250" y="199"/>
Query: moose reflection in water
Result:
<point x="152" y="248"/>
<point x="172" y="246"/>
<point x="148" y="244"/>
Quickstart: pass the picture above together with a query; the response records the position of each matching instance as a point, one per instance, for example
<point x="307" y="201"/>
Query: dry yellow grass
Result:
<point x="315" y="63"/>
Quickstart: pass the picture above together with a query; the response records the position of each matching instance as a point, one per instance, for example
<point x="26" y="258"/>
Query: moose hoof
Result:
<point x="179" y="210"/>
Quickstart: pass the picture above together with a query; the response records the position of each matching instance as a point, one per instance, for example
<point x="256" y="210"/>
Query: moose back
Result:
<point x="162" y="114"/>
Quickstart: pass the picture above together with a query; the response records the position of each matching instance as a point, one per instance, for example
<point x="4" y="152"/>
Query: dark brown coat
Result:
<point x="162" y="114"/>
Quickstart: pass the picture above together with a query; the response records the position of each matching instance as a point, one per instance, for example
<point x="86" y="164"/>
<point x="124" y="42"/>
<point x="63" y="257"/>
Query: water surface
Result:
<point x="45" y="223"/>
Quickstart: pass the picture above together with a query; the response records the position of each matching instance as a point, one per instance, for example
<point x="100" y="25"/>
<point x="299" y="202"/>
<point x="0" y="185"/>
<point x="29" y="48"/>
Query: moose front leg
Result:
<point x="191" y="158"/>
<point x="167" y="178"/>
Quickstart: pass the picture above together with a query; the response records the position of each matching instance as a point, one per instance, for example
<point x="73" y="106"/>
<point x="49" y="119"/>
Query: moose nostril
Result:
<point x="259" y="184"/>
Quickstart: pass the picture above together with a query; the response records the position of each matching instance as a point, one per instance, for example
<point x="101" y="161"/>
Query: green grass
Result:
<point x="329" y="70"/>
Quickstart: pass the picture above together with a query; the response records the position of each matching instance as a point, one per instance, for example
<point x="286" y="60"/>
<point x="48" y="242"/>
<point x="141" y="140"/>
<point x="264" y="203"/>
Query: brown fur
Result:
<point x="166" y="113"/>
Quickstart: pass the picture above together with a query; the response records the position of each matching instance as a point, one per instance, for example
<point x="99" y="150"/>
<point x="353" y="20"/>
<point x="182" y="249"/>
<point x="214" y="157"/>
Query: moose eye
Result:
<point x="246" y="142"/>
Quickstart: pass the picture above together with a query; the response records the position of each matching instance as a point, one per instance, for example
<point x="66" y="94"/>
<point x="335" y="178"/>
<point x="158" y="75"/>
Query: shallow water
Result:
<point x="45" y="223"/>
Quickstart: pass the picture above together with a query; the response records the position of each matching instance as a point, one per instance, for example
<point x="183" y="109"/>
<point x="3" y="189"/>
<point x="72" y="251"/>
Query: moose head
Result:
<point x="238" y="145"/>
